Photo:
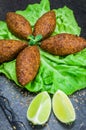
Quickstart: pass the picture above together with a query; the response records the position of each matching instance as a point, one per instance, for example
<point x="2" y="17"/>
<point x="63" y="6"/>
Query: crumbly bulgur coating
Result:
<point x="27" y="64"/>
<point x="18" y="25"/>
<point x="45" y="25"/>
<point x="9" y="49"/>
<point x="63" y="44"/>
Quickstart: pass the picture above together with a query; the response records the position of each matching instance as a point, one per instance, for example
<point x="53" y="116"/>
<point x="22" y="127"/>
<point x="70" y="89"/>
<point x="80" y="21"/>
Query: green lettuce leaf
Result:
<point x="55" y="72"/>
<point x="34" y="11"/>
<point x="66" y="22"/>
<point x="9" y="69"/>
<point x="4" y="32"/>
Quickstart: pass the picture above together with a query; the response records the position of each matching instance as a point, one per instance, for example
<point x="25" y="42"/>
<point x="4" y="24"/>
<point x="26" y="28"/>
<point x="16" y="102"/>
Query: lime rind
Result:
<point x="63" y="108"/>
<point x="40" y="108"/>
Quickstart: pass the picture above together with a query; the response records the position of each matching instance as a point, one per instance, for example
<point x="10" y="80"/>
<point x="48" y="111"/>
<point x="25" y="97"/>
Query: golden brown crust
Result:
<point x="27" y="64"/>
<point x="45" y="25"/>
<point x="63" y="44"/>
<point x="10" y="48"/>
<point x="18" y="25"/>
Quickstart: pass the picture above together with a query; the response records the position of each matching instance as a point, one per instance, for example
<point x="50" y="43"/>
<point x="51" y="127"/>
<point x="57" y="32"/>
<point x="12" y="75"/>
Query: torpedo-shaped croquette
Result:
<point x="18" y="25"/>
<point x="9" y="49"/>
<point x="45" y="25"/>
<point x="63" y="44"/>
<point x="27" y="64"/>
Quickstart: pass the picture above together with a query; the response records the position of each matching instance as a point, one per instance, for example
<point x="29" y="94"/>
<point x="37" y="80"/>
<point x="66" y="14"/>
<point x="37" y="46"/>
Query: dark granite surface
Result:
<point x="19" y="99"/>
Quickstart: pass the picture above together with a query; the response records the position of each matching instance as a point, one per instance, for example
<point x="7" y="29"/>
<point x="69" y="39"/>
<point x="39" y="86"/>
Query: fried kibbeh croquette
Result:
<point x="27" y="64"/>
<point x="63" y="44"/>
<point x="45" y="25"/>
<point x="9" y="49"/>
<point x="18" y="25"/>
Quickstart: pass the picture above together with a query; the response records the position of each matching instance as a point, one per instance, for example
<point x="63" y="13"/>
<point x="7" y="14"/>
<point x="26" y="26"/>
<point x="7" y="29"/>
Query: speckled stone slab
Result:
<point x="20" y="99"/>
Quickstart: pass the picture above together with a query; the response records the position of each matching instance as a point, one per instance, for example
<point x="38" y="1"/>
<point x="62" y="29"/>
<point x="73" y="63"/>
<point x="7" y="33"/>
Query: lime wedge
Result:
<point x="39" y="109"/>
<point x="63" y="108"/>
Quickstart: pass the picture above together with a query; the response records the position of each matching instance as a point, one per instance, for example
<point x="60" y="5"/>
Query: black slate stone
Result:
<point x="19" y="99"/>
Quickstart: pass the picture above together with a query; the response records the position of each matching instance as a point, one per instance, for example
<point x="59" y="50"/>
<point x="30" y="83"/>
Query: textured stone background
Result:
<point x="20" y="99"/>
